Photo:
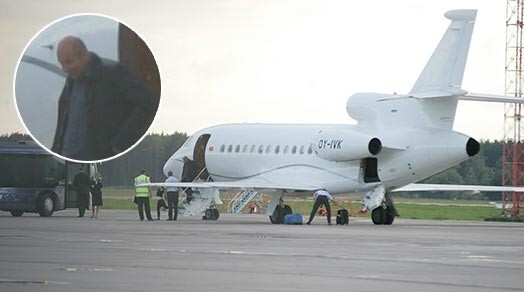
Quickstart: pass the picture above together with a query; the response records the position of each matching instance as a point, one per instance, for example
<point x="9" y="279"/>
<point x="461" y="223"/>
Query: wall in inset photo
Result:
<point x="87" y="87"/>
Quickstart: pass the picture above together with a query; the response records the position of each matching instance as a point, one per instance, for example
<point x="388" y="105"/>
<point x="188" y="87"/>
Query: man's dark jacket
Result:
<point x="119" y="109"/>
<point x="189" y="171"/>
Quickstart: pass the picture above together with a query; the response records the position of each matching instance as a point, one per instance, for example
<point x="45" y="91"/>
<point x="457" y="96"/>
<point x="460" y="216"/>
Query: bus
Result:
<point x="33" y="180"/>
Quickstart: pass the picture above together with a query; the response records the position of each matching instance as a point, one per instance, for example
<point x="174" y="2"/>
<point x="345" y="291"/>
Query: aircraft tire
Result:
<point x="214" y="214"/>
<point x="16" y="213"/>
<point x="211" y="214"/>
<point x="388" y="217"/>
<point x="207" y="214"/>
<point x="378" y="216"/>
<point x="45" y="205"/>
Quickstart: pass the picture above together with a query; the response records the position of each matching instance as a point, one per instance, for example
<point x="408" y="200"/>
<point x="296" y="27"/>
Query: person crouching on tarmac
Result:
<point x="322" y="197"/>
<point x="161" y="201"/>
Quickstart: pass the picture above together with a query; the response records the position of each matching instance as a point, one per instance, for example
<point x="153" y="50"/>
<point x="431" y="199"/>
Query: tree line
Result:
<point x="155" y="149"/>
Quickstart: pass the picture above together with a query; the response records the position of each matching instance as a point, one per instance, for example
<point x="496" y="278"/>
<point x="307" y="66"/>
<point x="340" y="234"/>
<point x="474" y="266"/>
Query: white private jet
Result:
<point x="399" y="140"/>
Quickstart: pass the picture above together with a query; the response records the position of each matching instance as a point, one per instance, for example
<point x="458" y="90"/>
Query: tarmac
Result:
<point x="246" y="253"/>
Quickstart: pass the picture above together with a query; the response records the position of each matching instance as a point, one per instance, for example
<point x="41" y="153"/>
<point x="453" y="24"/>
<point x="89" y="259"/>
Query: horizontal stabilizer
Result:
<point x="491" y="98"/>
<point x="466" y="188"/>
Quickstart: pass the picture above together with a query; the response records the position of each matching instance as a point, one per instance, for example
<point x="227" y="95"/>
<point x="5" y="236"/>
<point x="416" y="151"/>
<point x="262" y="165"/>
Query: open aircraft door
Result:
<point x="199" y="155"/>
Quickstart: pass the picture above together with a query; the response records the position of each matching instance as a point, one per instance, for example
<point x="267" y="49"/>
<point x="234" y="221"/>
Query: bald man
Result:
<point x="103" y="109"/>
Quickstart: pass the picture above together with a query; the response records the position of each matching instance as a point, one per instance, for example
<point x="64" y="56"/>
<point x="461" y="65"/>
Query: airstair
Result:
<point x="240" y="200"/>
<point x="202" y="200"/>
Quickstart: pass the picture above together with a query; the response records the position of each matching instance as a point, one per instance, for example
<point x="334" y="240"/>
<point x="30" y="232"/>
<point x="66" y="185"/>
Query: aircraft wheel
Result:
<point x="278" y="216"/>
<point x="211" y="214"/>
<point x="378" y="216"/>
<point x="389" y="217"/>
<point x="214" y="214"/>
<point x="45" y="205"/>
<point x="17" y="213"/>
<point x="207" y="214"/>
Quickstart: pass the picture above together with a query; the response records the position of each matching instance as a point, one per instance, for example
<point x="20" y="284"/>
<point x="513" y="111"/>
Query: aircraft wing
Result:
<point x="467" y="188"/>
<point x="257" y="184"/>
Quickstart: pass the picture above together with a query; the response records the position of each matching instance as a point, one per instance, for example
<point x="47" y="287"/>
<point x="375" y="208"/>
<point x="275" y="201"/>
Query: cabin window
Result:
<point x="286" y="149"/>
<point x="302" y="148"/>
<point x="309" y="150"/>
<point x="244" y="149"/>
<point x="237" y="149"/>
<point x="294" y="150"/>
<point x="252" y="148"/>
<point x="260" y="149"/>
<point x="222" y="148"/>
<point x="277" y="149"/>
<point x="268" y="149"/>
<point x="229" y="148"/>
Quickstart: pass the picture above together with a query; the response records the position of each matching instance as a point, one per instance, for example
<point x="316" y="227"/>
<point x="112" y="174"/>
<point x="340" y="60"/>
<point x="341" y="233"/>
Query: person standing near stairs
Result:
<point x="172" y="197"/>
<point x="189" y="173"/>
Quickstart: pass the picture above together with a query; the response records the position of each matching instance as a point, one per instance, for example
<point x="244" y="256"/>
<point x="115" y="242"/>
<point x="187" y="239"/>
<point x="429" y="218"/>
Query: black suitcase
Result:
<point x="342" y="217"/>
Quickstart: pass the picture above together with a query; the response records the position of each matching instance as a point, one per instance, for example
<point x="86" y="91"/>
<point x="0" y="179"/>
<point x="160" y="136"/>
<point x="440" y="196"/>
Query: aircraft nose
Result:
<point x="176" y="165"/>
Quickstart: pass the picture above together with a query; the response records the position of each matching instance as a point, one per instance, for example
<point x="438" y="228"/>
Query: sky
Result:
<point x="295" y="61"/>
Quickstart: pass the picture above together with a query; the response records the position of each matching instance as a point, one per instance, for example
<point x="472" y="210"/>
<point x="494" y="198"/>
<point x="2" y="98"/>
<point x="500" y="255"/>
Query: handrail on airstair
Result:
<point x="233" y="201"/>
<point x="237" y="204"/>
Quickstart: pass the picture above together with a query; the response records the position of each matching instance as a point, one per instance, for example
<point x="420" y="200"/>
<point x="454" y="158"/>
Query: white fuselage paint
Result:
<point x="245" y="151"/>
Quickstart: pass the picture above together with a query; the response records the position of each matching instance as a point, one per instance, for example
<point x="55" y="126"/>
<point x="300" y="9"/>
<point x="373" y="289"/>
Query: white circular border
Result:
<point x="22" y="120"/>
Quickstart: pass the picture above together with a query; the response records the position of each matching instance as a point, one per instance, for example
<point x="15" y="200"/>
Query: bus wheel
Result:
<point x="45" y="205"/>
<point x="17" y="213"/>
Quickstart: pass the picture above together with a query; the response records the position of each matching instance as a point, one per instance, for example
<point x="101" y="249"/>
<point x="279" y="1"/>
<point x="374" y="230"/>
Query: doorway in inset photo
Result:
<point x="87" y="88"/>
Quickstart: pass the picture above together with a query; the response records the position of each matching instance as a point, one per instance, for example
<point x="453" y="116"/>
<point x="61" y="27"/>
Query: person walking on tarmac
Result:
<point x="82" y="186"/>
<point x="142" y="196"/>
<point x="322" y="197"/>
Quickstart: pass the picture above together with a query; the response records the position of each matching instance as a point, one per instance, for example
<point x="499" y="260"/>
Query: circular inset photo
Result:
<point x="87" y="88"/>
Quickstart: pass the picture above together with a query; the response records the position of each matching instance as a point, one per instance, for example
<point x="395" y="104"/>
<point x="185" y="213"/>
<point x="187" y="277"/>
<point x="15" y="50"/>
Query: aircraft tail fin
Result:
<point x="445" y="69"/>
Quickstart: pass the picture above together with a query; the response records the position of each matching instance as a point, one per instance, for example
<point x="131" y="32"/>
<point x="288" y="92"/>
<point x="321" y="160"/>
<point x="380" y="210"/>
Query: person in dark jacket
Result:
<point x="96" y="193"/>
<point x="103" y="109"/>
<point x="189" y="173"/>
<point x="82" y="185"/>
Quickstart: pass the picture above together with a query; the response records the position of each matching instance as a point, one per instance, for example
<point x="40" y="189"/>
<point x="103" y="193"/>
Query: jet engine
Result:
<point x="345" y="145"/>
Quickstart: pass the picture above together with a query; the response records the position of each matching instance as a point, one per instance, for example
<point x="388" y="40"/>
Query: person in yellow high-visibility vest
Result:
<point x="142" y="196"/>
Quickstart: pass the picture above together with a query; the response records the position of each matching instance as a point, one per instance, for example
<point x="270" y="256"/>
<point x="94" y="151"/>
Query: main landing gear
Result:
<point x="385" y="213"/>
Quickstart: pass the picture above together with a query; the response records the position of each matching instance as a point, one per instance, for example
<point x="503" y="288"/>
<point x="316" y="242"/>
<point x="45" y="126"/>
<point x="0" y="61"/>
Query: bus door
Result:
<point x="71" y="196"/>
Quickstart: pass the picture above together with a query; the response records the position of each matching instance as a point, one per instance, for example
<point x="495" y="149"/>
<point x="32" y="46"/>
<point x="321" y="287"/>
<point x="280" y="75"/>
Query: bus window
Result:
<point x="30" y="171"/>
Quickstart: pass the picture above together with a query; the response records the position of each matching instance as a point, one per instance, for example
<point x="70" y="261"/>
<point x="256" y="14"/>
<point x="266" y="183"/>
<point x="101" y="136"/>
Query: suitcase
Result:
<point x="295" y="219"/>
<point x="342" y="217"/>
